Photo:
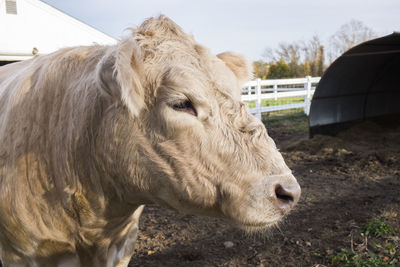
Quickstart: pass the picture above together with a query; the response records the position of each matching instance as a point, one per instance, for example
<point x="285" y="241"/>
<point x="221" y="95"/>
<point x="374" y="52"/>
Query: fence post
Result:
<point x="275" y="92"/>
<point x="307" y="97"/>
<point x="258" y="102"/>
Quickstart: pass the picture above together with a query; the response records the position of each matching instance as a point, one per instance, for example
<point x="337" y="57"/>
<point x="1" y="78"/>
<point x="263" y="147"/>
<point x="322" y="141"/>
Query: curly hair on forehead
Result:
<point x="162" y="24"/>
<point x="161" y="30"/>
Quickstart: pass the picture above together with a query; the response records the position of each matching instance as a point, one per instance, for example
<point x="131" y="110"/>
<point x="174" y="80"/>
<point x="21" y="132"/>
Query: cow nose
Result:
<point x="287" y="196"/>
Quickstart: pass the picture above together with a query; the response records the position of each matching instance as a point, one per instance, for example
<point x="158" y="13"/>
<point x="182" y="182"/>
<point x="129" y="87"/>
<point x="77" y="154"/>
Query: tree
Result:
<point x="306" y="68"/>
<point x="314" y="56"/>
<point x="269" y="55"/>
<point x="349" y="35"/>
<point x="289" y="54"/>
<point x="279" y="70"/>
<point x="302" y="58"/>
<point x="309" y="57"/>
<point x="261" y="69"/>
<point x="321" y="63"/>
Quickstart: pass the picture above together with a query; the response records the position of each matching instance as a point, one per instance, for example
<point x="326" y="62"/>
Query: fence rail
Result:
<point x="259" y="90"/>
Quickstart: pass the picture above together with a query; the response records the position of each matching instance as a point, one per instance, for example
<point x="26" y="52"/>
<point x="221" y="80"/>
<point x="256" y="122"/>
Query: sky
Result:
<point x="244" y="26"/>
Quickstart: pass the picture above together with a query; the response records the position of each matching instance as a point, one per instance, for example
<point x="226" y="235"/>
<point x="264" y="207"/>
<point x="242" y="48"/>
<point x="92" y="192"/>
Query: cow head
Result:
<point x="180" y="136"/>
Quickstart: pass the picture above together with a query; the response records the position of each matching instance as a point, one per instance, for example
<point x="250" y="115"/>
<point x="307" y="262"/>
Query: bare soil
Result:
<point x="346" y="181"/>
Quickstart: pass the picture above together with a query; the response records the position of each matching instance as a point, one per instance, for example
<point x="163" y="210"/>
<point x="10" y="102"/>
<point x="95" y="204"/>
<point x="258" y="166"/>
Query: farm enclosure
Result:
<point x="346" y="182"/>
<point x="281" y="94"/>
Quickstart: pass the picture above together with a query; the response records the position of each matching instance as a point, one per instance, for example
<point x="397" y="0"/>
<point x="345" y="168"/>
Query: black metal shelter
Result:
<point x="363" y="83"/>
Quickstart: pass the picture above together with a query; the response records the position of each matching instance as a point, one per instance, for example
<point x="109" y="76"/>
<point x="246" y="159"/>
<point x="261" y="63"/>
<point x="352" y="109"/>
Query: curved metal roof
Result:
<point x="362" y="83"/>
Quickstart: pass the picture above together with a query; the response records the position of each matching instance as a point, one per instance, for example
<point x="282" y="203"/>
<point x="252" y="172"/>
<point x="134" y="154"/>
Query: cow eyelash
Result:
<point x="185" y="106"/>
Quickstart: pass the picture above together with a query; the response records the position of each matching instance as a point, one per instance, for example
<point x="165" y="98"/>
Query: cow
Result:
<point x="89" y="135"/>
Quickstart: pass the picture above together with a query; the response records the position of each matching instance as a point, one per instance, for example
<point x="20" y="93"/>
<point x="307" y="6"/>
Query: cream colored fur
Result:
<point x="88" y="135"/>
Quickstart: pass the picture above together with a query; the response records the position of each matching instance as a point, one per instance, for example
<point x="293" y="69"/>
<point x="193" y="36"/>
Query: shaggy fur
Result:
<point x="89" y="134"/>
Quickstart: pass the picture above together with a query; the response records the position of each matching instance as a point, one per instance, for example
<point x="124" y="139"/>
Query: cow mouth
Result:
<point x="256" y="226"/>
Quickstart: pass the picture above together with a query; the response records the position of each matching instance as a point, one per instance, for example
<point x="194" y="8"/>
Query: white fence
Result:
<point x="258" y="90"/>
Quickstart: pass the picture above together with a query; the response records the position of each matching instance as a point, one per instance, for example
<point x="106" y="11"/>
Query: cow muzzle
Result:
<point x="286" y="196"/>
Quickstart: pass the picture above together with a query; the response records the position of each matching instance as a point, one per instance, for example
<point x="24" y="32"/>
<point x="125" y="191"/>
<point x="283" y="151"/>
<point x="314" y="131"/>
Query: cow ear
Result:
<point x="120" y="72"/>
<point x="239" y="65"/>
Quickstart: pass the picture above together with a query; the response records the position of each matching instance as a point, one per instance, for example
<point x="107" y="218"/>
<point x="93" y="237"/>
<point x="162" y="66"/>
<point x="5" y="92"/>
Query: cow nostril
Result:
<point x="283" y="196"/>
<point x="286" y="196"/>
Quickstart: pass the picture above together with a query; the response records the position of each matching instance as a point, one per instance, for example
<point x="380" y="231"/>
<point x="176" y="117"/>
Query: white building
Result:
<point x="29" y="27"/>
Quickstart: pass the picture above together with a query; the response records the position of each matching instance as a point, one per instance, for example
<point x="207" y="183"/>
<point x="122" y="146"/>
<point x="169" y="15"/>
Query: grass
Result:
<point x="289" y="120"/>
<point x="280" y="101"/>
<point x="378" y="228"/>
<point x="378" y="247"/>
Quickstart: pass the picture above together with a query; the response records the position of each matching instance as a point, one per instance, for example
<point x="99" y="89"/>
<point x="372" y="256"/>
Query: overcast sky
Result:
<point x="245" y="26"/>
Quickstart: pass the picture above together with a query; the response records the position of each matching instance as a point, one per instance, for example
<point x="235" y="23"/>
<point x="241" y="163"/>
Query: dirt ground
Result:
<point x="346" y="181"/>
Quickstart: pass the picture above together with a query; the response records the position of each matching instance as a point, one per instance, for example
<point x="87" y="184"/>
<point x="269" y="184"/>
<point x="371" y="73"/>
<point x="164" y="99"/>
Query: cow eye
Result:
<point x="185" y="106"/>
